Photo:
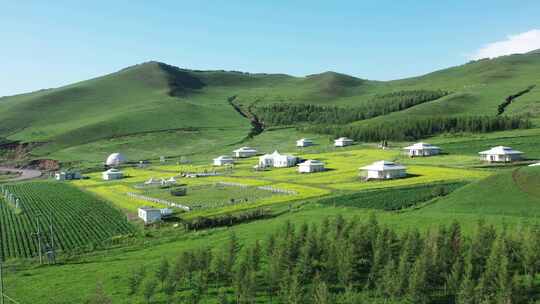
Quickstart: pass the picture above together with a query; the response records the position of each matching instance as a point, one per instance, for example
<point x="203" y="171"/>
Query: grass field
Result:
<point x="341" y="176"/>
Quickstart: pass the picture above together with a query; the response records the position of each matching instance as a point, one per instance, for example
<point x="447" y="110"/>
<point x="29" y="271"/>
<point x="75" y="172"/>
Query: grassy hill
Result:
<point x="173" y="110"/>
<point x="513" y="193"/>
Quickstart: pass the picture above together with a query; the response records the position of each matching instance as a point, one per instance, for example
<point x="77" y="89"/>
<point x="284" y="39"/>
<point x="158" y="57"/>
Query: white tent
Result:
<point x="310" y="166"/>
<point x="244" y="152"/>
<point x="115" y="159"/>
<point x="422" y="149"/>
<point x="501" y="154"/>
<point x="112" y="174"/>
<point x="304" y="142"/>
<point x="343" y="141"/>
<point x="223" y="160"/>
<point x="384" y="170"/>
<point x="277" y="160"/>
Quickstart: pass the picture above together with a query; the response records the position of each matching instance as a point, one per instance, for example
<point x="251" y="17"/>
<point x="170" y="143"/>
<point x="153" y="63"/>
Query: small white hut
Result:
<point x="244" y="152"/>
<point x="500" y="154"/>
<point x="223" y="160"/>
<point x="112" y="174"/>
<point x="60" y="176"/>
<point x="343" y="142"/>
<point x="310" y="166"/>
<point x="277" y="160"/>
<point x="384" y="170"/>
<point x="304" y="142"/>
<point x="422" y="149"/>
<point x="149" y="215"/>
<point x="115" y="160"/>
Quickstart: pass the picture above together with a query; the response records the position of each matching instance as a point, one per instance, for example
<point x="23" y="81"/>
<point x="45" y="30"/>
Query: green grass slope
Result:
<point x="512" y="193"/>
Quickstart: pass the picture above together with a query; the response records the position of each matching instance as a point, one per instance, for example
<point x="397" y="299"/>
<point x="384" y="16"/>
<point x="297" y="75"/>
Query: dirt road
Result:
<point x="24" y="173"/>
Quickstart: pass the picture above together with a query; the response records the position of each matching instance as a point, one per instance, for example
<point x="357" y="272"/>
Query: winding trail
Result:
<point x="24" y="173"/>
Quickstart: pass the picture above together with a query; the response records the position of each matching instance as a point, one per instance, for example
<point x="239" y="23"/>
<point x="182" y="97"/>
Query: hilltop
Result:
<point x="175" y="109"/>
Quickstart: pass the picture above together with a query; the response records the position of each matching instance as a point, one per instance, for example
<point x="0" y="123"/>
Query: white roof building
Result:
<point x="535" y="165"/>
<point x="304" y="142"/>
<point x="115" y="159"/>
<point x="501" y="154"/>
<point x="310" y="166"/>
<point x="223" y="160"/>
<point x="384" y="170"/>
<point x="112" y="174"/>
<point x="244" y="152"/>
<point x="277" y="160"/>
<point x="60" y="176"/>
<point x="422" y="149"/>
<point x="149" y="215"/>
<point x="343" y="141"/>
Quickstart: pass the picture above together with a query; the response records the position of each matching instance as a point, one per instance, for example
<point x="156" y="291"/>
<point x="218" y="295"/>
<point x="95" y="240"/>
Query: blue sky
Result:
<point x="52" y="43"/>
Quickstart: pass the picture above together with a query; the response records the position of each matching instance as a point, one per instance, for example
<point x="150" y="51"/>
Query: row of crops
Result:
<point x="79" y="220"/>
<point x="393" y="198"/>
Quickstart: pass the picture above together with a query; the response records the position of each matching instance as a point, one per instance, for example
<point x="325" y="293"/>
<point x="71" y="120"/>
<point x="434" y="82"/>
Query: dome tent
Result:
<point x="115" y="159"/>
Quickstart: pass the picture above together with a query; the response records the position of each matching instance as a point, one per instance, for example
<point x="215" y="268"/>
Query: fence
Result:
<point x="158" y="201"/>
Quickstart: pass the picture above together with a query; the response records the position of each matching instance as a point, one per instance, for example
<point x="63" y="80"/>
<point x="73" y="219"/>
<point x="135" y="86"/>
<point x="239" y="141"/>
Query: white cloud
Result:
<point x="514" y="44"/>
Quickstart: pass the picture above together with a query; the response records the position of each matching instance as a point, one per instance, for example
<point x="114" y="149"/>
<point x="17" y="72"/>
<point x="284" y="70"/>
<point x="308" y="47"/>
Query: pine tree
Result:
<point x="466" y="293"/>
<point x="135" y="280"/>
<point x="256" y="256"/>
<point x="345" y="263"/>
<point x="454" y="279"/>
<point x="348" y="297"/>
<point x="163" y="271"/>
<point x="494" y="282"/>
<point x="388" y="285"/>
<point x="99" y="296"/>
<point x="321" y="294"/>
<point x="169" y="288"/>
<point x="231" y="253"/>
<point x="222" y="296"/>
<point x="149" y="289"/>
<point x="418" y="284"/>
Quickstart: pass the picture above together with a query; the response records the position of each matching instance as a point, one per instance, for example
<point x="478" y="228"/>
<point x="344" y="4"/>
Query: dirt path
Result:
<point x="24" y="173"/>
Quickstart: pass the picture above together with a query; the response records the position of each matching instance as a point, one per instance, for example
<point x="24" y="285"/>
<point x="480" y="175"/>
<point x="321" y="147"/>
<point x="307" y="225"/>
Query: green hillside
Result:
<point x="513" y="193"/>
<point x="175" y="111"/>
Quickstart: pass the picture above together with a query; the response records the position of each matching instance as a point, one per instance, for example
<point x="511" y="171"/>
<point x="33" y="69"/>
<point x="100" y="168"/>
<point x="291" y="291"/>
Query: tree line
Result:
<point x="412" y="128"/>
<point x="351" y="261"/>
<point x="289" y="114"/>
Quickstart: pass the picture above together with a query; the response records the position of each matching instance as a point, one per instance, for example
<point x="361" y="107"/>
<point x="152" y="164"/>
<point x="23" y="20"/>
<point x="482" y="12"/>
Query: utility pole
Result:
<point x="1" y="284"/>
<point x="52" y="254"/>
<point x="38" y="234"/>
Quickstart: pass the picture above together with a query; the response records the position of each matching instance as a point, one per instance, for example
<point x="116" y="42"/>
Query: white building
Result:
<point x="166" y="212"/>
<point x="304" y="142"/>
<point x="501" y="154"/>
<point x="63" y="175"/>
<point x="277" y="160"/>
<point x="422" y="149"/>
<point x="384" y="170"/>
<point x="535" y="165"/>
<point x="343" y="142"/>
<point x="310" y="166"/>
<point x="223" y="160"/>
<point x="60" y="176"/>
<point x="112" y="174"/>
<point x="115" y="160"/>
<point x="149" y="215"/>
<point x="244" y="152"/>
